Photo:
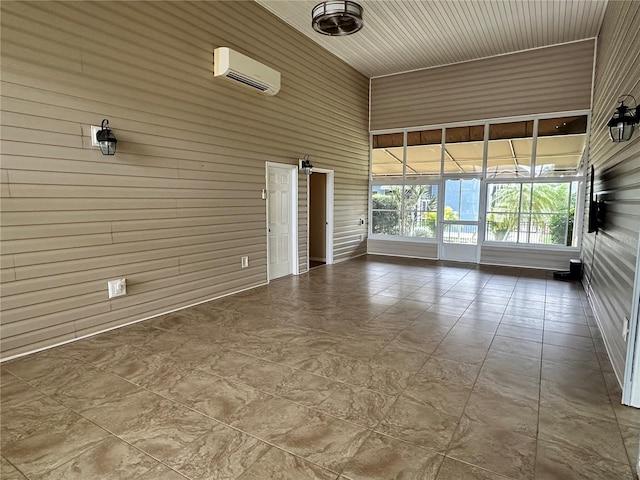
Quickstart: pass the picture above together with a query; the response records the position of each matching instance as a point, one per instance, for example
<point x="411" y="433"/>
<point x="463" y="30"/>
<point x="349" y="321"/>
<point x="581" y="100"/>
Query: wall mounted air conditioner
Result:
<point x="240" y="69"/>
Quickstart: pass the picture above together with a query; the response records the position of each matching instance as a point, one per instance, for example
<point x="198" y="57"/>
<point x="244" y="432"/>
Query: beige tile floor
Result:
<point x="371" y="369"/>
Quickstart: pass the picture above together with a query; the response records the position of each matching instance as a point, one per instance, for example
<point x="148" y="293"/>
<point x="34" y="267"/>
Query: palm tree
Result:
<point x="508" y="202"/>
<point x="418" y="200"/>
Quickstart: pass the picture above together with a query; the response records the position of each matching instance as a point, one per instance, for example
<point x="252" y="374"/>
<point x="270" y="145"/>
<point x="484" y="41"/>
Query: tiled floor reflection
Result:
<point x="371" y="369"/>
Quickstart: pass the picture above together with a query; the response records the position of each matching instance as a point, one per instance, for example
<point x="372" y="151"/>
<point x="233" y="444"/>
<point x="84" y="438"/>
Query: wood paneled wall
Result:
<point x="546" y="80"/>
<point x="610" y="255"/>
<point x="179" y="204"/>
<point x="531" y="257"/>
<point x="403" y="248"/>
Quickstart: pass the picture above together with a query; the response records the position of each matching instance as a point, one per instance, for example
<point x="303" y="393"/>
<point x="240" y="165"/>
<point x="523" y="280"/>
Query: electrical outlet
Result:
<point x="117" y="288"/>
<point x="244" y="261"/>
<point x="625" y="329"/>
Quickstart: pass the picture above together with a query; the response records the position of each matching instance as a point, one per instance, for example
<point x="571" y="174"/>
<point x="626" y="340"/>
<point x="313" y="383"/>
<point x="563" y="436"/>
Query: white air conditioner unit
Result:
<point x="240" y="69"/>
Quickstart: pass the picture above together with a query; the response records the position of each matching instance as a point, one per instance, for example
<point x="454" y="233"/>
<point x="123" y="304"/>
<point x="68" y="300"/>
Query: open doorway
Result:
<point x="459" y="236"/>
<point x="320" y="218"/>
<point x="317" y="219"/>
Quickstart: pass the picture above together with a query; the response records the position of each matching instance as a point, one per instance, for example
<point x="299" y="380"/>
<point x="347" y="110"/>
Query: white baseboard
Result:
<point x="2" y="360"/>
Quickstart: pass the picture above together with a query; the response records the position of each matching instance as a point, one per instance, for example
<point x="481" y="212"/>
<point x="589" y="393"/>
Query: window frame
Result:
<point x="432" y="179"/>
<point x="402" y="184"/>
<point x="537" y="181"/>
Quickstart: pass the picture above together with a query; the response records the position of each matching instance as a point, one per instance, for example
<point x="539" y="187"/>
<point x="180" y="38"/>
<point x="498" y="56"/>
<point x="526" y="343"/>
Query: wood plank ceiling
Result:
<point x="404" y="35"/>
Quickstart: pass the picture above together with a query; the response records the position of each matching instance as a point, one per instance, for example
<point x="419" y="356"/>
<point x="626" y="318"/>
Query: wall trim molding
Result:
<point x="590" y="294"/>
<point x="133" y="322"/>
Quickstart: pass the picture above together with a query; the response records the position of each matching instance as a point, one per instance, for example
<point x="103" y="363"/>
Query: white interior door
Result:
<point x="460" y="229"/>
<point x="280" y="221"/>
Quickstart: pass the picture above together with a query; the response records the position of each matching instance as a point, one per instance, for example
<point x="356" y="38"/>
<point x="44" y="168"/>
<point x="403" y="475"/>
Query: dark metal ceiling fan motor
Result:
<point x="337" y="18"/>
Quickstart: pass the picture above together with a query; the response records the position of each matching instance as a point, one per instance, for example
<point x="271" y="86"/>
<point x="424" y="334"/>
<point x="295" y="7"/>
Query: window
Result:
<point x="463" y="149"/>
<point x="530" y="169"/>
<point x="424" y="153"/>
<point x="385" y="210"/>
<point x="531" y="213"/>
<point x="510" y="149"/>
<point x="423" y="157"/>
<point x="387" y="155"/>
<point x="404" y="196"/>
<point x="404" y="210"/>
<point x="462" y="199"/>
<point x="560" y="146"/>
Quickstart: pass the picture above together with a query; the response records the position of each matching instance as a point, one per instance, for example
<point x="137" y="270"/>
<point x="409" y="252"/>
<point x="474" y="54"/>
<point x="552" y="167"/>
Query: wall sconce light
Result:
<point x="106" y="139"/>
<point x="305" y="165"/>
<point x="623" y="121"/>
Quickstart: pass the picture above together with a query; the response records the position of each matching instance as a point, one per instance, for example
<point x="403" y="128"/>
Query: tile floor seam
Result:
<point x="502" y="475"/>
<point x="235" y="381"/>
<point x="466" y="403"/>
<point x="398" y="397"/>
<point x="617" y="420"/>
<point x="449" y="445"/>
<point x="410" y="379"/>
<point x="598" y="357"/>
<point x="348" y="463"/>
<point x="626" y="447"/>
<point x="535" y="459"/>
<point x="248" y="433"/>
<point x="15" y="466"/>
<point x="449" y="285"/>
<point x="111" y="434"/>
<point x="293" y="401"/>
<point x="220" y="422"/>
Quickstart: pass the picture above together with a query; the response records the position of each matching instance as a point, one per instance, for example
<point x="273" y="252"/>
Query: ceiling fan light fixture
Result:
<point x="337" y="18"/>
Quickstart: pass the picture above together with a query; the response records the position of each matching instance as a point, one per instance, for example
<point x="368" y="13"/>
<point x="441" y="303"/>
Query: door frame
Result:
<point x="293" y="220"/>
<point x="479" y="222"/>
<point x="329" y="192"/>
<point x="631" y="381"/>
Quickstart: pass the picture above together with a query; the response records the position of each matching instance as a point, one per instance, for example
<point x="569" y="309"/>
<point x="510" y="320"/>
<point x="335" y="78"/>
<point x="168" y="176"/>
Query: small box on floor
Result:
<point x="574" y="272"/>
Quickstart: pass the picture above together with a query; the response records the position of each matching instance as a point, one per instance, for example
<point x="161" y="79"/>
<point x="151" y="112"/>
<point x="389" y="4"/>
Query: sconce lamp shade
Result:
<point x="623" y="122"/>
<point x="106" y="139"/>
<point x="305" y="165"/>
